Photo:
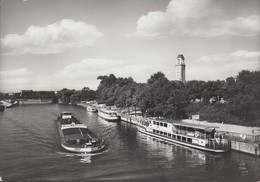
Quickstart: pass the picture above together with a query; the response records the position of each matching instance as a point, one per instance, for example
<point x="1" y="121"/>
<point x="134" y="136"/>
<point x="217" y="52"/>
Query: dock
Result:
<point x="243" y="139"/>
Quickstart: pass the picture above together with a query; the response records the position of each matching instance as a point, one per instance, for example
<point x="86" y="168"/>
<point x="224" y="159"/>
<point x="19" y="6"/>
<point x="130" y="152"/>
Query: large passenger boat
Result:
<point x="192" y="135"/>
<point x="76" y="137"/>
<point x="108" y="115"/>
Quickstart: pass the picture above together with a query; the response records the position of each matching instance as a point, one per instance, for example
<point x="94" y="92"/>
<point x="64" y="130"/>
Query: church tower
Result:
<point x="180" y="68"/>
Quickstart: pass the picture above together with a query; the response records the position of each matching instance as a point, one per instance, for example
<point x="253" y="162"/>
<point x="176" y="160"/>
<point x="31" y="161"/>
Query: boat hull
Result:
<point x="142" y="130"/>
<point x="92" y="110"/>
<point x="84" y="150"/>
<point x="108" y="118"/>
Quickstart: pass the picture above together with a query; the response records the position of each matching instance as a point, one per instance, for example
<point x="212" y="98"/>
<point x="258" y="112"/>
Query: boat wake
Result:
<point x="84" y="157"/>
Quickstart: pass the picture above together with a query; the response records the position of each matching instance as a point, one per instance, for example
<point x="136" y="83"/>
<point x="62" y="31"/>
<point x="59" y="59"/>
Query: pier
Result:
<point x="246" y="141"/>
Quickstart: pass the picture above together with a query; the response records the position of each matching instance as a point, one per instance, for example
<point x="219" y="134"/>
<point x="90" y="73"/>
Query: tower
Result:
<point x="180" y="68"/>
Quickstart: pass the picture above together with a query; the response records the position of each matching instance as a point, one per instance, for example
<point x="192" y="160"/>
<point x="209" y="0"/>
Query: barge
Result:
<point x="76" y="137"/>
<point x="190" y="135"/>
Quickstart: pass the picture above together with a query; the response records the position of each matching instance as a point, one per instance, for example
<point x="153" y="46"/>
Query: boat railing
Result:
<point x="72" y="125"/>
<point x="192" y="134"/>
<point x="214" y="143"/>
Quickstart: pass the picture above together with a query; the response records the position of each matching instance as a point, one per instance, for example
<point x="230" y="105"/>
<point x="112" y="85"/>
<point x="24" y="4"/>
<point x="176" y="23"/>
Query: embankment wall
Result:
<point x="249" y="148"/>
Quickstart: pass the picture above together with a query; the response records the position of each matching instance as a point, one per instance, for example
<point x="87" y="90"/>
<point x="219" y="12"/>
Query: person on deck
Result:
<point x="213" y="133"/>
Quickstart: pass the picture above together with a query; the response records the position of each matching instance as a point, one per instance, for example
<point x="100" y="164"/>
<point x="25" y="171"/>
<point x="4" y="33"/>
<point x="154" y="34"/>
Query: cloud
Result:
<point x="85" y="73"/>
<point x="241" y="26"/>
<point x="75" y="75"/>
<point x="194" y="18"/>
<point x="16" y="79"/>
<point x="222" y="66"/>
<point x="51" y="39"/>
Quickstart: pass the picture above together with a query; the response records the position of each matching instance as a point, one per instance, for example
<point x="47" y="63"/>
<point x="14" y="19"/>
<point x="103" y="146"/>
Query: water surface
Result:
<point x="30" y="150"/>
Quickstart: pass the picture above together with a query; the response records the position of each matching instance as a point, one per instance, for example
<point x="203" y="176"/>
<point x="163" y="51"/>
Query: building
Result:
<point x="180" y="68"/>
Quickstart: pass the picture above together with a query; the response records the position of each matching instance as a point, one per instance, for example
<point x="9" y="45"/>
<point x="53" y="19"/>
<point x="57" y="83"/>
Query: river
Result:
<point x="30" y="150"/>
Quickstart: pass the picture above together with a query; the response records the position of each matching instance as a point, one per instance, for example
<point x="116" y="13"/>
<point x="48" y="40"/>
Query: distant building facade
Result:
<point x="180" y="68"/>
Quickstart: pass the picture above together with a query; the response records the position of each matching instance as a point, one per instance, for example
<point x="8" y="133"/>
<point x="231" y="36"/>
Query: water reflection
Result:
<point x="30" y="150"/>
<point x="243" y="169"/>
<point x="170" y="151"/>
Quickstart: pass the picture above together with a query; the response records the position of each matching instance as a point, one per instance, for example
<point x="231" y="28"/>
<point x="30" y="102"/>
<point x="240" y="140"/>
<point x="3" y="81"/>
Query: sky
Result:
<point x="56" y="44"/>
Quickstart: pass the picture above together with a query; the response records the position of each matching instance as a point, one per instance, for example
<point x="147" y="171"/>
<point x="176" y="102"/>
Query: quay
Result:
<point x="243" y="139"/>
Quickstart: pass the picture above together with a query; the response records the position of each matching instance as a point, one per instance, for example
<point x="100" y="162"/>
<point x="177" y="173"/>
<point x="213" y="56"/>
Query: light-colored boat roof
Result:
<point x="65" y="112"/>
<point x="192" y="125"/>
<point x="107" y="111"/>
<point x="67" y="126"/>
<point x="188" y="125"/>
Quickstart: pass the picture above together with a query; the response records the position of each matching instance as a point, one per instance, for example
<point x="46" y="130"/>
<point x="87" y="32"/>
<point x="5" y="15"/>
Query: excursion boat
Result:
<point x="76" y="137"/>
<point x="192" y="135"/>
<point x="108" y="115"/>
<point x="8" y="103"/>
<point x="91" y="109"/>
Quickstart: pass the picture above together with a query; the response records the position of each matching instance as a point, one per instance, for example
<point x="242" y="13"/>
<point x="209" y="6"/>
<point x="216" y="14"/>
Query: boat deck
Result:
<point x="78" y="133"/>
<point x="69" y="121"/>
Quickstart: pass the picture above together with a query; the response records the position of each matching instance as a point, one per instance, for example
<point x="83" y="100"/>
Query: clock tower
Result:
<point x="180" y="68"/>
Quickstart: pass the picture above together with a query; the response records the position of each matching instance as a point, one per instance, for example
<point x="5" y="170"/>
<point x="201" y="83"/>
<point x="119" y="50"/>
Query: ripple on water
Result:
<point x="30" y="150"/>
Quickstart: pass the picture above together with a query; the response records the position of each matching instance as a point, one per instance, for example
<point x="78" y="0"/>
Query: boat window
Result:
<point x="191" y="129"/>
<point x="169" y="135"/>
<point x="173" y="136"/>
<point x="161" y="124"/>
<point x="184" y="139"/>
<point x="165" y="125"/>
<point x="164" y="133"/>
<point x="66" y="114"/>
<point x="182" y="128"/>
<point x="201" y="131"/>
<point x="157" y="123"/>
<point x="189" y="140"/>
<point x="161" y="132"/>
<point x="158" y="131"/>
<point x="154" y="122"/>
<point x="178" y="137"/>
<point x="153" y="131"/>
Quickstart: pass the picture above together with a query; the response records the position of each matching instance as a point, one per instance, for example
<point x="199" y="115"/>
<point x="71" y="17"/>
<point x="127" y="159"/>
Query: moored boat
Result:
<point x="192" y="135"/>
<point x="108" y="115"/>
<point x="76" y="137"/>
<point x="8" y="103"/>
<point x="24" y="101"/>
<point x="91" y="109"/>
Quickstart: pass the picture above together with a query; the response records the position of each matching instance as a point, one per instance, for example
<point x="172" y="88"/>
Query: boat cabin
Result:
<point x="193" y="130"/>
<point x="109" y="113"/>
<point x="66" y="115"/>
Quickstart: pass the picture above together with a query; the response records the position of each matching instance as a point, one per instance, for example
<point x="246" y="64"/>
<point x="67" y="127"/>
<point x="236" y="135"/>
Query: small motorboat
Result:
<point x="91" y="109"/>
<point x="108" y="115"/>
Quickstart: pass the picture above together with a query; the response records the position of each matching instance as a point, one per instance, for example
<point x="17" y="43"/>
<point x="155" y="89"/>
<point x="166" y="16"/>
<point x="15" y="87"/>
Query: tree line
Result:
<point x="234" y="100"/>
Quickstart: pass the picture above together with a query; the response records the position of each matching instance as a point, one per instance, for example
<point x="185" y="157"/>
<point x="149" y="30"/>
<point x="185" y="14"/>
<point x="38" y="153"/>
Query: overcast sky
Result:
<point x="55" y="44"/>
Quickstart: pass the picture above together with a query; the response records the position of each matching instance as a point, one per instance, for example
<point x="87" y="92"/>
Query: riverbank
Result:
<point x="243" y="139"/>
